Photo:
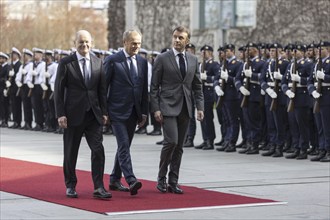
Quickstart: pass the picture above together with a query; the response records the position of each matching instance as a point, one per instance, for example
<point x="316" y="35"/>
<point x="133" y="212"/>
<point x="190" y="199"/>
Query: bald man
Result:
<point x="80" y="103"/>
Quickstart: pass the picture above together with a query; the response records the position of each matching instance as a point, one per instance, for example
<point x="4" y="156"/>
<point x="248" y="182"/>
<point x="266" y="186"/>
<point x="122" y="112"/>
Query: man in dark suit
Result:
<point x="127" y="82"/>
<point x="175" y="76"/>
<point x="80" y="102"/>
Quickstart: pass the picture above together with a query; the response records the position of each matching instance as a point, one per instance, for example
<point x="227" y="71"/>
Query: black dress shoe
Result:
<point x="270" y="152"/>
<point x="4" y="124"/>
<point x="208" y="146"/>
<point x="160" y="142"/>
<point x="223" y="146"/>
<point x="161" y="185"/>
<point x="321" y="155"/>
<point x="189" y="142"/>
<point x="134" y="187"/>
<point x="101" y="193"/>
<point x="254" y="149"/>
<point x="118" y="186"/>
<point x="174" y="188"/>
<point x="27" y="127"/>
<point x="15" y="125"/>
<point x="242" y="144"/>
<point x="278" y="151"/>
<point x="155" y="133"/>
<point x="201" y="146"/>
<point x="326" y="158"/>
<point x="230" y="148"/>
<point x="141" y="131"/>
<point x="302" y="155"/>
<point x="37" y="128"/>
<point x="71" y="193"/>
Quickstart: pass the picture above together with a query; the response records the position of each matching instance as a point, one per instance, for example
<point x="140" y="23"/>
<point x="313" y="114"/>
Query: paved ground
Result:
<point x="304" y="185"/>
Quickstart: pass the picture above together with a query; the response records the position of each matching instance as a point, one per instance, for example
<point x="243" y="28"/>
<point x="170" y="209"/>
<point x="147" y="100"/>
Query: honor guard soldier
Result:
<point x="251" y="102"/>
<point x="209" y="70"/>
<point x="15" y="101"/>
<point x="275" y="101"/>
<point x="4" y="101"/>
<point x="50" y="73"/>
<point x="37" y="84"/>
<point x="21" y="81"/>
<point x="192" y="122"/>
<point x="321" y="95"/>
<point x="222" y="119"/>
<point x="294" y="85"/>
<point x="227" y="91"/>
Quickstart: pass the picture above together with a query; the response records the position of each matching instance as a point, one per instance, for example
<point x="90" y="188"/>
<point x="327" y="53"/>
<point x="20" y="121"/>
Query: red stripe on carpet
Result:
<point x="46" y="182"/>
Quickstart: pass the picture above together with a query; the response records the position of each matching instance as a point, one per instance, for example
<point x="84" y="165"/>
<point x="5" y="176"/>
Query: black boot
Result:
<point x="286" y="147"/>
<point x="278" y="151"/>
<point x="320" y="156"/>
<point x="303" y="155"/>
<point x="313" y="151"/>
<point x="231" y="147"/>
<point x="271" y="150"/>
<point x="189" y="142"/>
<point x="242" y="144"/>
<point x="294" y="155"/>
<point x="223" y="147"/>
<point x="201" y="146"/>
<point x="220" y="142"/>
<point x="209" y="145"/>
<point x="254" y="149"/>
<point x="326" y="158"/>
<point x="244" y="150"/>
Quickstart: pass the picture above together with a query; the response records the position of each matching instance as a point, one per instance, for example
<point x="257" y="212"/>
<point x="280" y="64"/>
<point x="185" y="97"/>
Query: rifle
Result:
<point x="294" y="83"/>
<point x="273" y="105"/>
<point x="44" y="93"/>
<point x="316" y="108"/>
<point x="33" y="78"/>
<point x="22" y="78"/>
<point x="223" y="85"/>
<point x="203" y="62"/>
<point x="245" y="99"/>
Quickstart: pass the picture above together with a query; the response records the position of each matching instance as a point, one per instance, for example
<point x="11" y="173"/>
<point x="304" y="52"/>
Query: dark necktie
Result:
<point x="85" y="72"/>
<point x="182" y="65"/>
<point x="132" y="69"/>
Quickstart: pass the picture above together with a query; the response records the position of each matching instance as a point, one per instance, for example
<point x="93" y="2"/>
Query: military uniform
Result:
<point x="23" y="90"/>
<point x="4" y="101"/>
<point x="324" y="103"/>
<point x="252" y="113"/>
<point x="212" y="70"/>
<point x="299" y="119"/>
<point x="276" y="118"/>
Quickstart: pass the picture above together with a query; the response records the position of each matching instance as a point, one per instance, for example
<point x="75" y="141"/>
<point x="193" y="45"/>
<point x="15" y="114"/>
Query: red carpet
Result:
<point x="45" y="182"/>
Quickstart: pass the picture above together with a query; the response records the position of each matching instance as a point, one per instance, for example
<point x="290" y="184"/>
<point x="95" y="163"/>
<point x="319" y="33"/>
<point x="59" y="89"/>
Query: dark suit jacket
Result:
<point x="169" y="89"/>
<point x="123" y="94"/>
<point x="71" y="95"/>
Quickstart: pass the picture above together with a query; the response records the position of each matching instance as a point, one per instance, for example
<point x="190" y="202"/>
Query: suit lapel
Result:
<point x="76" y="67"/>
<point x="174" y="63"/>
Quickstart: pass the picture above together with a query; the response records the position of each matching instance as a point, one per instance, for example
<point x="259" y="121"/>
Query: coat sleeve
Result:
<point x="59" y="89"/>
<point x="157" y="72"/>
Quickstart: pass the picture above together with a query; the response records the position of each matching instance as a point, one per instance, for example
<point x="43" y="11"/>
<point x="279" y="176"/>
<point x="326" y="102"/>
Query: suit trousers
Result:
<point x="175" y="130"/>
<point x="72" y="138"/>
<point x="124" y="132"/>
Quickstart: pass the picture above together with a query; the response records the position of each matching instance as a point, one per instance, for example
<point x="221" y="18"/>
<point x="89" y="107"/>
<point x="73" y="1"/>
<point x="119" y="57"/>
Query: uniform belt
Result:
<point x="208" y="84"/>
<point x="323" y="84"/>
<point x="271" y="84"/>
<point x="298" y="85"/>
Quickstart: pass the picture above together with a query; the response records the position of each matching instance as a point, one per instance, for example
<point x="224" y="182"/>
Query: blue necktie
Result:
<point x="182" y="65"/>
<point x="132" y="69"/>
<point x="85" y="72"/>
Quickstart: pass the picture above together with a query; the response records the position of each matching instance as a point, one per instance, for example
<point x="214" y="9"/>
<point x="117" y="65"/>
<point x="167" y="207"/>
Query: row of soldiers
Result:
<point x="268" y="93"/>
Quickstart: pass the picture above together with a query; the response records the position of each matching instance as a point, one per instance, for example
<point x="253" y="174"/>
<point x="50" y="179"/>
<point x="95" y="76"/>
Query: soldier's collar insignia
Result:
<point x="280" y="62"/>
<point x="302" y="62"/>
<point x="234" y="61"/>
<point x="328" y="61"/>
<point x="257" y="60"/>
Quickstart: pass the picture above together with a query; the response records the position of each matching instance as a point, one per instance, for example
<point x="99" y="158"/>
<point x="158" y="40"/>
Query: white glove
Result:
<point x="24" y="72"/>
<point x="295" y="77"/>
<point x="290" y="94"/>
<point x="30" y="85"/>
<point x="262" y="92"/>
<point x="11" y="73"/>
<point x="320" y="74"/>
<point x="278" y="75"/>
<point x="203" y="76"/>
<point x="19" y="84"/>
<point x="219" y="91"/>
<point x="44" y="86"/>
<point x="248" y="72"/>
<point x="34" y="73"/>
<point x="316" y="95"/>
<point x="5" y="92"/>
<point x="244" y="91"/>
<point x="224" y="75"/>
<point x="52" y="87"/>
<point x="46" y="74"/>
<point x="271" y="93"/>
<point x="8" y="83"/>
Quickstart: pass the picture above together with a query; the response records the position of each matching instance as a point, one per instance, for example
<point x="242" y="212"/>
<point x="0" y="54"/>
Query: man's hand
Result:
<point x="316" y="95"/>
<point x="278" y="75"/>
<point x="19" y="84"/>
<point x="271" y="93"/>
<point x="62" y="122"/>
<point x="158" y="116"/>
<point x="143" y="121"/>
<point x="244" y="91"/>
<point x="224" y="75"/>
<point x="295" y="78"/>
<point x="290" y="94"/>
<point x="30" y="85"/>
<point x="200" y="115"/>
<point x="320" y="74"/>
<point x="218" y="91"/>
